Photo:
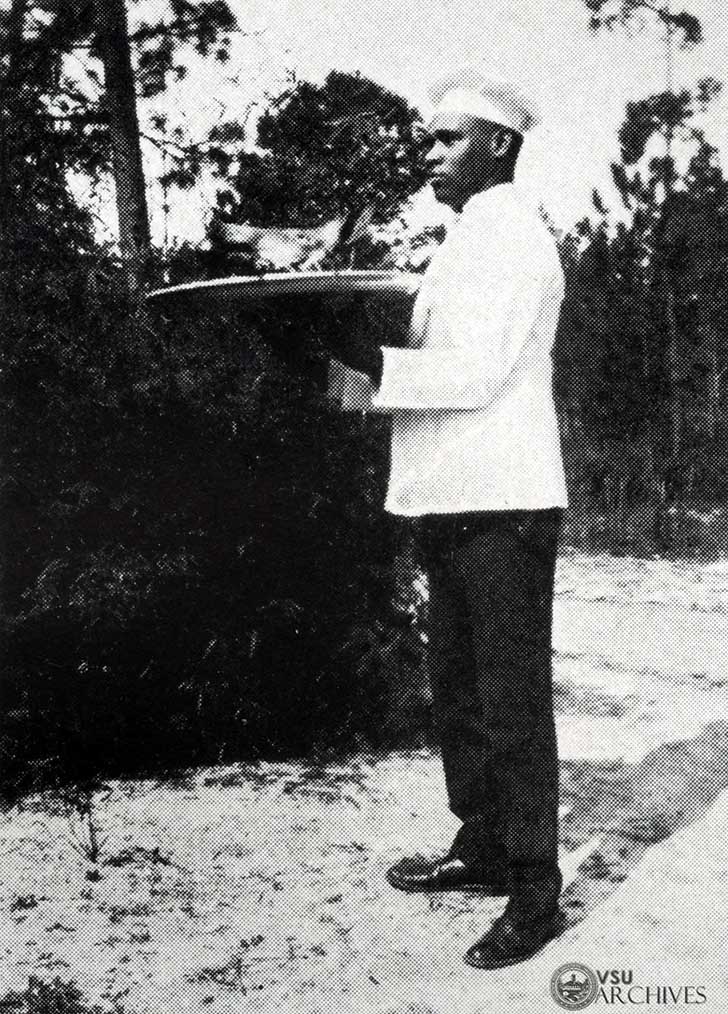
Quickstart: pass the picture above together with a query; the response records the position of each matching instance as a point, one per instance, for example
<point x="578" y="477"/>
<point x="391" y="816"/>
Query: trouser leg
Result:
<point x="492" y="683"/>
<point x="508" y="573"/>
<point x="451" y="667"/>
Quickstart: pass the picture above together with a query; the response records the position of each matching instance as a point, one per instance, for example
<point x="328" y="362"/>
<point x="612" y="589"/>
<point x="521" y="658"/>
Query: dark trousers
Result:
<point x="491" y="578"/>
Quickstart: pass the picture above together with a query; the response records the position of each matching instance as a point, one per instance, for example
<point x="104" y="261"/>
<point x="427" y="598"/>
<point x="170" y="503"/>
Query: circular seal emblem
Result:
<point x="574" y="986"/>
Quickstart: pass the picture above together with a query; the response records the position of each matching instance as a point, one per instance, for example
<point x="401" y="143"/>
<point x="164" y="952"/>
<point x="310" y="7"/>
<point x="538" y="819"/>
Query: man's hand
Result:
<point x="368" y="359"/>
<point x="351" y="338"/>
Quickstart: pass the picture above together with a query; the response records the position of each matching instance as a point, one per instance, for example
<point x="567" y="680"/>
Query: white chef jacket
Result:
<point x="474" y="425"/>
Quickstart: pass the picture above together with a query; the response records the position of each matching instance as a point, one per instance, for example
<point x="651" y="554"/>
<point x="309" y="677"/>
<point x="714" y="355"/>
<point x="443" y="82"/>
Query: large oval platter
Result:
<point x="256" y="288"/>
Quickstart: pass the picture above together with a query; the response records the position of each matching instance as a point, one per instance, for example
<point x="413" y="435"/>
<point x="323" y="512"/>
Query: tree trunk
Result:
<point x="13" y="60"/>
<point x="14" y="40"/>
<point x="131" y="201"/>
<point x="669" y="421"/>
<point x="667" y="284"/>
<point x="673" y="366"/>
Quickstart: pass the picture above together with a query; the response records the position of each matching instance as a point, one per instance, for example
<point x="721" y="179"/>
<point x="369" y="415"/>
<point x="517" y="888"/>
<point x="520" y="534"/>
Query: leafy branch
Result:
<point x="609" y="13"/>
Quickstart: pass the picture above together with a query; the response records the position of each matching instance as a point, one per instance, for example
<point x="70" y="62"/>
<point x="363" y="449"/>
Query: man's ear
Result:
<point x="500" y="142"/>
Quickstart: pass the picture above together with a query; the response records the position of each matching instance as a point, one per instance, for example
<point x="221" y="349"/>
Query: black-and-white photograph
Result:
<point x="364" y="506"/>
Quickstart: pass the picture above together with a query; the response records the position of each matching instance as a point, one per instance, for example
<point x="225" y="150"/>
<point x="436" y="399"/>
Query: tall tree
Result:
<point x="617" y="376"/>
<point x="684" y="28"/>
<point x="112" y="35"/>
<point x="608" y="13"/>
<point x="324" y="150"/>
<point x="93" y="115"/>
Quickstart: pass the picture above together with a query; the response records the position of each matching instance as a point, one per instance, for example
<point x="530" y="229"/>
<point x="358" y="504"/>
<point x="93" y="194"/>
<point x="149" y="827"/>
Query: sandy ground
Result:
<point x="262" y="887"/>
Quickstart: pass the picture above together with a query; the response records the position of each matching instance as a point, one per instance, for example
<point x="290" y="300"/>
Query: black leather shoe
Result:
<point x="519" y="933"/>
<point x="446" y="874"/>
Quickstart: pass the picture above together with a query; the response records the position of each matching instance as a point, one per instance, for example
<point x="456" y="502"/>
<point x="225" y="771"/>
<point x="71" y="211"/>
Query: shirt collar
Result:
<point x="492" y="195"/>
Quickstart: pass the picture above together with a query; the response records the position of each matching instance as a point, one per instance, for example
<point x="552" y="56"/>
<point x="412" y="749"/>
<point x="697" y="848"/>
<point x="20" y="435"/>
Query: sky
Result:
<point x="581" y="81"/>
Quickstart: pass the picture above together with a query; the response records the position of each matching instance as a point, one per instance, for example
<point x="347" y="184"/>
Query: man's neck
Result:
<point x="490" y="185"/>
<point x="483" y="190"/>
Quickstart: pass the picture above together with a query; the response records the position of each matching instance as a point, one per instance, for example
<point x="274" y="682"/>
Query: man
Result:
<point x="476" y="460"/>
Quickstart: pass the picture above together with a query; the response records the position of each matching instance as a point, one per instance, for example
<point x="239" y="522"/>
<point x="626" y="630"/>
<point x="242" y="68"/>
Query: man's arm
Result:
<point x="360" y="354"/>
<point x="484" y="314"/>
<point x="350" y="338"/>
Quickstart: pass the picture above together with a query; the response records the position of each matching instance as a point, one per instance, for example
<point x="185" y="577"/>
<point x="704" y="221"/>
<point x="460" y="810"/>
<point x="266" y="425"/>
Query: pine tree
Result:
<point x="91" y="129"/>
<point x="617" y="375"/>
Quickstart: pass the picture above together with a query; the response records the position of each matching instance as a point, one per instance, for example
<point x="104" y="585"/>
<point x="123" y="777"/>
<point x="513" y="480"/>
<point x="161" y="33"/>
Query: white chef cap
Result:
<point x="471" y="92"/>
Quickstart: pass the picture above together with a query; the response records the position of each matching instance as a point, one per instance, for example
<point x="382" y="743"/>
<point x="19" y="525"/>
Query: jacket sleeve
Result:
<point x="483" y="320"/>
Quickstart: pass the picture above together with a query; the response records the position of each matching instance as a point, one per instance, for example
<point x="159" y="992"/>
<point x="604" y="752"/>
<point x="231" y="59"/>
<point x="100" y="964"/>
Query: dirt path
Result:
<point x="262" y="888"/>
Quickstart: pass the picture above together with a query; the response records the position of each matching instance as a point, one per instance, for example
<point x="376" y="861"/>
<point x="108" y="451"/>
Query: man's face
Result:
<point x="464" y="157"/>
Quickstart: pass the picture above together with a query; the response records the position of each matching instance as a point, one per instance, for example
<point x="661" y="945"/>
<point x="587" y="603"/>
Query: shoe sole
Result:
<point x="492" y="890"/>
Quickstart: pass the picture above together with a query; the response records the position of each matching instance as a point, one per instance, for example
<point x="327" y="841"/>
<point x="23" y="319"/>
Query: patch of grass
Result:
<point x="138" y="854"/>
<point x="117" y="913"/>
<point x="245" y="775"/>
<point x="572" y="699"/>
<point x="55" y="997"/>
<point x="22" y="902"/>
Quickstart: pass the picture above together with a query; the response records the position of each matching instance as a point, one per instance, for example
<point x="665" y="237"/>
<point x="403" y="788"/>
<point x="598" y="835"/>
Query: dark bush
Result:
<point x="197" y="562"/>
<point x="55" y="997"/>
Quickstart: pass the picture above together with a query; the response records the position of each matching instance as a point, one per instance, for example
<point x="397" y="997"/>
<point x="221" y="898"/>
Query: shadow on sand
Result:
<point x="630" y="807"/>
